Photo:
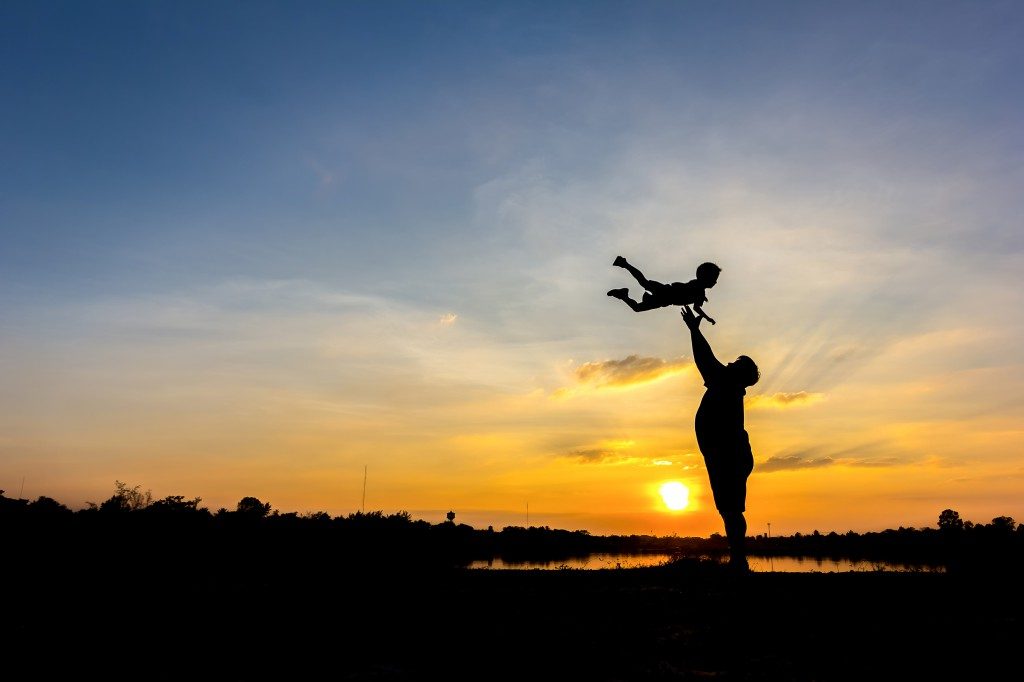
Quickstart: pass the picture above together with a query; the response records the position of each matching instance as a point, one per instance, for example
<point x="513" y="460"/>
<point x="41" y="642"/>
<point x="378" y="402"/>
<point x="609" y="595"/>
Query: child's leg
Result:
<point x="648" y="302"/>
<point x="639" y="276"/>
<point x="623" y="295"/>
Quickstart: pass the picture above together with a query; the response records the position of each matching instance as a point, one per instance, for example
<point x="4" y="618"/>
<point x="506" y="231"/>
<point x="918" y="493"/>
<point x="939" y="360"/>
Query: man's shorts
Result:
<point x="728" y="468"/>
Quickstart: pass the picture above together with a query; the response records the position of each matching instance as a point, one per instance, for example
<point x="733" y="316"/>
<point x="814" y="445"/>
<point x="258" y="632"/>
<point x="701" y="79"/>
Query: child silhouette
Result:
<point x="659" y="295"/>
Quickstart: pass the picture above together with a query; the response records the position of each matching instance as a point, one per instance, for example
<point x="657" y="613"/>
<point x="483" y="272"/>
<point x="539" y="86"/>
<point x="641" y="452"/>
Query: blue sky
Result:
<point x="224" y="218"/>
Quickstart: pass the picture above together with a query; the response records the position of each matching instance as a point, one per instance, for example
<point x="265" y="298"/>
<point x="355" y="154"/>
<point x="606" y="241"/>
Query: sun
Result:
<point x="675" y="495"/>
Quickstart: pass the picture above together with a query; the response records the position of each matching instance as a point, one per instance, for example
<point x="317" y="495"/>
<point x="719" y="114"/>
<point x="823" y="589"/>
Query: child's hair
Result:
<point x="707" y="271"/>
<point x="748" y="371"/>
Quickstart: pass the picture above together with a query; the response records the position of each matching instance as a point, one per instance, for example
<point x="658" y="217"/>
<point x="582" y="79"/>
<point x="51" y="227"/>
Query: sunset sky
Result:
<point x="252" y="248"/>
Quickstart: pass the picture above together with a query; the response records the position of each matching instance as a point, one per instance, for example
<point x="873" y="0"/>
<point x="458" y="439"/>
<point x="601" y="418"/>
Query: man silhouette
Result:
<point x="721" y="436"/>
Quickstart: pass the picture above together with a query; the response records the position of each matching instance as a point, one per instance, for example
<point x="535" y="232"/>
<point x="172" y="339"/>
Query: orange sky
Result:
<point x="259" y="251"/>
<point x="450" y="424"/>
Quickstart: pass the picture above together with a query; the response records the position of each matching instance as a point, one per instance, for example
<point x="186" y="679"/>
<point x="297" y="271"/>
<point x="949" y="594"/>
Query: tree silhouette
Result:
<point x="47" y="505"/>
<point x="127" y="499"/>
<point x="251" y="506"/>
<point x="175" y="504"/>
<point x="1003" y="524"/>
<point x="9" y="505"/>
<point x="950" y="521"/>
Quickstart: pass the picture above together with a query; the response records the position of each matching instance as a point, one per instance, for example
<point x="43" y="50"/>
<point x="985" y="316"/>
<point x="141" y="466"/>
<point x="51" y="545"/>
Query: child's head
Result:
<point x="745" y="371"/>
<point x="707" y="274"/>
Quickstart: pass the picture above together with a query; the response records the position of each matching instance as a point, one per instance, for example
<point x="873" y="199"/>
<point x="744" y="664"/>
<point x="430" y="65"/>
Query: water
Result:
<point x="759" y="564"/>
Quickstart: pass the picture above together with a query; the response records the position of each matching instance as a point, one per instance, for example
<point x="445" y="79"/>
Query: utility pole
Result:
<point x="527" y="515"/>
<point x="362" y="508"/>
<point x="769" y="530"/>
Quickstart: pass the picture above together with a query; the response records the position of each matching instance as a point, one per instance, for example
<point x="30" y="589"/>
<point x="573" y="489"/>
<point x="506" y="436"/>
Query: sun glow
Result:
<point x="675" y="495"/>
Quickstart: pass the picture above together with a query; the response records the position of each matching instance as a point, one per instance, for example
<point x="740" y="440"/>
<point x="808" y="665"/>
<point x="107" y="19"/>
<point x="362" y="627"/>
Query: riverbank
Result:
<point x="688" y="620"/>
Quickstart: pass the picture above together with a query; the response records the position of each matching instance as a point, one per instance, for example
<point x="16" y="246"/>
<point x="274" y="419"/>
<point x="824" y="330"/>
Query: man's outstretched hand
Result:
<point x="692" y="321"/>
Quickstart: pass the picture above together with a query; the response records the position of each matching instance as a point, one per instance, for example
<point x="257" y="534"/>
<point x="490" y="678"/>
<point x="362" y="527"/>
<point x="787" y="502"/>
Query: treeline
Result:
<point x="132" y="522"/>
<point x="954" y="543"/>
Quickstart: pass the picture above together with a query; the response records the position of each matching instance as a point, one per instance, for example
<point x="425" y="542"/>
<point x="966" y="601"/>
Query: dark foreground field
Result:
<point x="690" y="620"/>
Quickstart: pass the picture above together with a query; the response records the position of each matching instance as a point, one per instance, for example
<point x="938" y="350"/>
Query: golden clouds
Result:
<point x="784" y="462"/>
<point x="780" y="401"/>
<point x="874" y="455"/>
<point x="627" y="452"/>
<point x="632" y="370"/>
<point x="612" y="451"/>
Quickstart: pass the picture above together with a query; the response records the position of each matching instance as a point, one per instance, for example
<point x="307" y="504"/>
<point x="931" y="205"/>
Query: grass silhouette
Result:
<point x="172" y="591"/>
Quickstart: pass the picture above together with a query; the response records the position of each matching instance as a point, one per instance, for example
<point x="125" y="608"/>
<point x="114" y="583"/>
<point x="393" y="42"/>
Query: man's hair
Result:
<point x="707" y="270"/>
<point x="748" y="371"/>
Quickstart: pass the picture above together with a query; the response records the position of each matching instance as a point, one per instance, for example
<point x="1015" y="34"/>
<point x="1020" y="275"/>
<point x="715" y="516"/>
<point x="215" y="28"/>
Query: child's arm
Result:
<point x="698" y="299"/>
<point x="701" y="313"/>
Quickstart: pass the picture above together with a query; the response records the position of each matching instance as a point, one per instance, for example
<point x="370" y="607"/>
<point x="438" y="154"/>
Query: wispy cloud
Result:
<point x="784" y="463"/>
<point x="625" y="452"/>
<point x="875" y="463"/>
<point x="629" y="371"/>
<point x="325" y="177"/>
<point x="866" y="455"/>
<point x="617" y="451"/>
<point x="594" y="454"/>
<point x="784" y="400"/>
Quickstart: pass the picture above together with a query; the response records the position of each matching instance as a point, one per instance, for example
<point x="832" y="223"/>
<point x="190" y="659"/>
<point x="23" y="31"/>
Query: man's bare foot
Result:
<point x="619" y="293"/>
<point x="620" y="261"/>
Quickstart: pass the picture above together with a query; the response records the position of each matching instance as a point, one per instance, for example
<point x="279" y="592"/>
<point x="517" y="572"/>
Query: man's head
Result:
<point x="745" y="371"/>
<point x="707" y="274"/>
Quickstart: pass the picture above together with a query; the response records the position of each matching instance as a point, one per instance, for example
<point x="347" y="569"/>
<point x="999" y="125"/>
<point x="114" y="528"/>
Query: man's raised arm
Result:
<point x="707" y="364"/>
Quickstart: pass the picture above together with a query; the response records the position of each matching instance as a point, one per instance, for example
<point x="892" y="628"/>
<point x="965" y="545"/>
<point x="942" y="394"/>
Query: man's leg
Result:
<point x="736" y="532"/>
<point x="740" y="466"/>
<point x="729" y="489"/>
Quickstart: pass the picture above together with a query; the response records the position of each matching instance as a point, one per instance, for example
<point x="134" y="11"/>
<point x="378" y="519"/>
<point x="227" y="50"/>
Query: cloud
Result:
<point x="630" y="371"/>
<point x="604" y="451"/>
<point x="447" y="320"/>
<point x="784" y="463"/>
<point x="594" y="454"/>
<point x="325" y="177"/>
<point x="620" y="452"/>
<point x="242" y="344"/>
<point x="875" y="463"/>
<point x="875" y="454"/>
<point x="784" y="400"/>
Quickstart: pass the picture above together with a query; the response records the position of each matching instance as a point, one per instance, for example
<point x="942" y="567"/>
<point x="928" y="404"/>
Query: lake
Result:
<point x="759" y="564"/>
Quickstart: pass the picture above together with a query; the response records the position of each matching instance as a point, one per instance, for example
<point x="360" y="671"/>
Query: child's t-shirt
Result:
<point x="687" y="293"/>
